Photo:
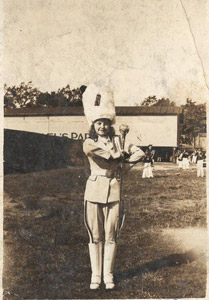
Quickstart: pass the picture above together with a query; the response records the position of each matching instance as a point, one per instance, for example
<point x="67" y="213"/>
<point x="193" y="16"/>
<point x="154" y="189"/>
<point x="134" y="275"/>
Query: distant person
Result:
<point x="200" y="160"/>
<point x="177" y="155"/>
<point x="180" y="159"/>
<point x="194" y="156"/>
<point x="185" y="160"/>
<point x="151" y="152"/>
<point x="174" y="155"/>
<point x="148" y="164"/>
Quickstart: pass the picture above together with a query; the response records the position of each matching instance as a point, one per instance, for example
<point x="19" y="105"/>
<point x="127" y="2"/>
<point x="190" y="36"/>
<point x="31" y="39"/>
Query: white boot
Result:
<point x="95" y="251"/>
<point x="109" y="260"/>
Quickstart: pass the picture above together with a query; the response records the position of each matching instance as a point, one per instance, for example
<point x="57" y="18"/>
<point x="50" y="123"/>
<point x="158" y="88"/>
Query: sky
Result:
<point x="140" y="48"/>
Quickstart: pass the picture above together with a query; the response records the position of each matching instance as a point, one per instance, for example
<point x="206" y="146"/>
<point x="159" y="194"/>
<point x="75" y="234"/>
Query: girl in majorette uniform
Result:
<point x="105" y="152"/>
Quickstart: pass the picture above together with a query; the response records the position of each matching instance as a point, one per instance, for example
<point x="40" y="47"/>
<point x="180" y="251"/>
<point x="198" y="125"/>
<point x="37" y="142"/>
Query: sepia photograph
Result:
<point x="104" y="149"/>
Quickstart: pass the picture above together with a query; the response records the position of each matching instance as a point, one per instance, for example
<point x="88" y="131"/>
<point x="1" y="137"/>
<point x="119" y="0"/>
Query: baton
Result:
<point x="123" y="129"/>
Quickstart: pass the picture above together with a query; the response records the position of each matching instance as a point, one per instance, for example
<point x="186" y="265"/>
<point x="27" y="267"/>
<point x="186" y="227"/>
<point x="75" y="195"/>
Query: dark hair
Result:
<point x="94" y="135"/>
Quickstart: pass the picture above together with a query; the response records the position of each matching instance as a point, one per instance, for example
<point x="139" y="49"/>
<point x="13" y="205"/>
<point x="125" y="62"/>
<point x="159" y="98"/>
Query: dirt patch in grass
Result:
<point x="46" y="243"/>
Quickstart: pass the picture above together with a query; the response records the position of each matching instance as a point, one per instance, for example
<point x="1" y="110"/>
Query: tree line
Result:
<point x="25" y="95"/>
<point x="194" y="117"/>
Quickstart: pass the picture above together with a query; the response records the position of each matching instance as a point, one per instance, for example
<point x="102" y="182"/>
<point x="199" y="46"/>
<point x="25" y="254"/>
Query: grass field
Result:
<point x="162" y="246"/>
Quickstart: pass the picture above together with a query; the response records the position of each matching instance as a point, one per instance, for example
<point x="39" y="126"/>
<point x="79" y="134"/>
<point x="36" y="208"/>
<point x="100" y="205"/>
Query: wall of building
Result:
<point x="50" y="138"/>
<point x="159" y="130"/>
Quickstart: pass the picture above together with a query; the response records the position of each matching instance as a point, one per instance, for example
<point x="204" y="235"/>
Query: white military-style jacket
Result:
<point x="103" y="184"/>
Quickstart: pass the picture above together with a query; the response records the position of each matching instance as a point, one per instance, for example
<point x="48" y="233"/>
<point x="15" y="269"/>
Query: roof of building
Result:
<point x="78" y="111"/>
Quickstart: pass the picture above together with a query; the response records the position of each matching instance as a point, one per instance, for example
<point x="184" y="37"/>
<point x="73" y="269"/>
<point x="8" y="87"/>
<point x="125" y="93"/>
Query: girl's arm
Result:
<point x="135" y="153"/>
<point x="90" y="148"/>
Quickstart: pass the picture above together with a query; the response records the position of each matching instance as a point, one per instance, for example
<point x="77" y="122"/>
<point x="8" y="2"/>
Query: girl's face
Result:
<point x="102" y="127"/>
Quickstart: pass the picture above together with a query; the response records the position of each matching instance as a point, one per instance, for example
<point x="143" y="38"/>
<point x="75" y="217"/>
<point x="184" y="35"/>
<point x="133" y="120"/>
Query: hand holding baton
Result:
<point x="124" y="130"/>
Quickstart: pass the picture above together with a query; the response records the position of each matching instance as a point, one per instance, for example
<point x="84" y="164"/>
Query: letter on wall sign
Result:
<point x="74" y="135"/>
<point x="86" y="135"/>
<point x="80" y="137"/>
<point x="65" y="134"/>
<point x="52" y="134"/>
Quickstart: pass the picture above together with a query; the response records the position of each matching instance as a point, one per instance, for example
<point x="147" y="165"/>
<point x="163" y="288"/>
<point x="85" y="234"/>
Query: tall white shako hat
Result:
<point x="98" y="103"/>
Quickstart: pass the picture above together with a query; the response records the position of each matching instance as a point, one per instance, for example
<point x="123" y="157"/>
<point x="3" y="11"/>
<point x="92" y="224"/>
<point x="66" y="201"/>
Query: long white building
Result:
<point x="155" y="125"/>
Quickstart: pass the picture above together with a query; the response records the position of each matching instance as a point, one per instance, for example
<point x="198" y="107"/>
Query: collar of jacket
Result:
<point x="104" y="140"/>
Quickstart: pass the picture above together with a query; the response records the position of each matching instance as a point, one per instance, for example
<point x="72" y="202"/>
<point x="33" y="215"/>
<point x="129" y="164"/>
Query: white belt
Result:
<point x="106" y="173"/>
<point x="98" y="172"/>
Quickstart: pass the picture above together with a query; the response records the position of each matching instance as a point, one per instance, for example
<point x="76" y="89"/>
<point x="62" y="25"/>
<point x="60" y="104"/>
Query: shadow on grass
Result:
<point x="168" y="261"/>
